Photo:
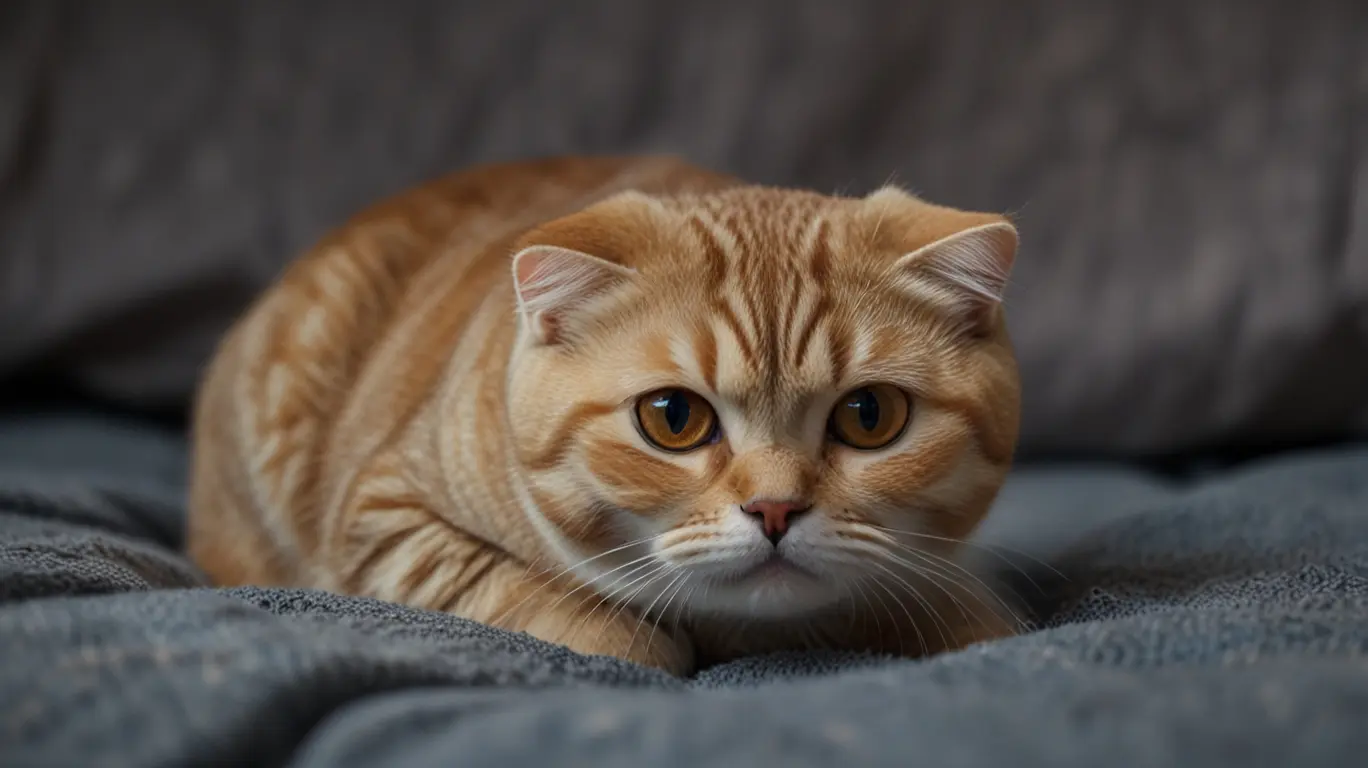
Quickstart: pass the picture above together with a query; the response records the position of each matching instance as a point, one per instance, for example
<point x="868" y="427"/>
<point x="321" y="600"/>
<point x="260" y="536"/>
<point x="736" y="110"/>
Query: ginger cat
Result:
<point x="627" y="405"/>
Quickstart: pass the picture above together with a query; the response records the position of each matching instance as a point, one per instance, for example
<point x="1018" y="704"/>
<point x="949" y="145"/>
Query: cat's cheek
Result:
<point x="634" y="478"/>
<point x="711" y="512"/>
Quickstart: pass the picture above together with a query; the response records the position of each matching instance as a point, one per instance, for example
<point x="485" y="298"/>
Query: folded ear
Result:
<point x="966" y="272"/>
<point x="557" y="285"/>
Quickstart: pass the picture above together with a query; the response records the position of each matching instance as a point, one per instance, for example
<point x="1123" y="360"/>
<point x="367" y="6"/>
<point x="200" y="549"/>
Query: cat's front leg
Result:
<point x="588" y="624"/>
<point x="396" y="549"/>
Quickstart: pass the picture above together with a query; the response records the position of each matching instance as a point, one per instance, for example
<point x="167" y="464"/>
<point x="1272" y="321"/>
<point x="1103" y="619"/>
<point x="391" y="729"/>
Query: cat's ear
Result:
<point x="556" y="284"/>
<point x="966" y="271"/>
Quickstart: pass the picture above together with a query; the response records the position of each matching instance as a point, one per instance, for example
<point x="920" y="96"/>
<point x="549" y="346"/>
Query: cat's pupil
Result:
<point x="676" y="412"/>
<point x="867" y="407"/>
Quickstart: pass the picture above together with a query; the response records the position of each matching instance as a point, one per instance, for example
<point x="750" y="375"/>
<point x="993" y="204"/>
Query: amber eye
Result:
<point x="676" y="419"/>
<point x="870" y="417"/>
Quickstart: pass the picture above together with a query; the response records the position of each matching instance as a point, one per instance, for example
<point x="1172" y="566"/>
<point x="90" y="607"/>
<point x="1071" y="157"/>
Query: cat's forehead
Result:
<point x="772" y="299"/>
<point x="772" y="307"/>
<point x="772" y="352"/>
<point x="760" y="222"/>
<point x="762" y="204"/>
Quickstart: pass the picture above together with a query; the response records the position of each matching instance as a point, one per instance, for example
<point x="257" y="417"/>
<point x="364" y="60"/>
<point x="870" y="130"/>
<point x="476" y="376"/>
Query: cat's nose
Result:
<point x="774" y="515"/>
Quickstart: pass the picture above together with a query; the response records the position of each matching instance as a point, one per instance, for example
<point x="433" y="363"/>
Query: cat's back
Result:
<point x="340" y="353"/>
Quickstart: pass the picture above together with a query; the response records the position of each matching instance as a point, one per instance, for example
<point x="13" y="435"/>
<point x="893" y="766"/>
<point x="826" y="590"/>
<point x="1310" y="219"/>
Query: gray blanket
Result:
<point x="1222" y="622"/>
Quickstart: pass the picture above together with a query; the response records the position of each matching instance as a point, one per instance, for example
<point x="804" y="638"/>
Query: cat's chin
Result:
<point x="776" y="588"/>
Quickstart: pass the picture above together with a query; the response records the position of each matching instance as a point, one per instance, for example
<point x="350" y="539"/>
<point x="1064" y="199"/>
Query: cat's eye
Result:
<point x="870" y="417"/>
<point x="676" y="419"/>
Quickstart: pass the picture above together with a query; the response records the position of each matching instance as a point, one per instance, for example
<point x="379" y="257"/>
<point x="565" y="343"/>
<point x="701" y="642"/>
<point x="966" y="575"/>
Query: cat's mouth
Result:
<point x="775" y="568"/>
<point x="773" y="586"/>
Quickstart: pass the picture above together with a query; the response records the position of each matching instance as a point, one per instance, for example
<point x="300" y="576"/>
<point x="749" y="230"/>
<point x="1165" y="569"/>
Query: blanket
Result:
<point x="1217" y="622"/>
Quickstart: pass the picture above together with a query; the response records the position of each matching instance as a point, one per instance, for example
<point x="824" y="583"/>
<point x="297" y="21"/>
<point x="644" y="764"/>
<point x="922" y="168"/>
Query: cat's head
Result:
<point x="759" y="400"/>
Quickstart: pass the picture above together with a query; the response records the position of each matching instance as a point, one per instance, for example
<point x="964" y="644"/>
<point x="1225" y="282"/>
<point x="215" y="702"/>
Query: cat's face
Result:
<point x="759" y="402"/>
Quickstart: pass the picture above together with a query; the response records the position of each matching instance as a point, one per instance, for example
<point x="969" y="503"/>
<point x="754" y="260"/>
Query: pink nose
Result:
<point x="775" y="515"/>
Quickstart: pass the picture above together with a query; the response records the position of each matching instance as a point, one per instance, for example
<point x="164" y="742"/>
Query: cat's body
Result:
<point x="413" y="414"/>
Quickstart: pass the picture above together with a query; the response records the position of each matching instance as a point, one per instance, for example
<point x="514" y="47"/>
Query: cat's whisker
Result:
<point x="942" y="563"/>
<point x="610" y="595"/>
<point x="864" y="550"/>
<point x="929" y="575"/>
<point x="647" y="613"/>
<point x="685" y="552"/>
<point x="933" y="559"/>
<point x="614" y="550"/>
<point x="566" y="571"/>
<point x="965" y="611"/>
<point x="615" y="593"/>
<point x="878" y="626"/>
<point x="702" y="599"/>
<point x="940" y="578"/>
<point x="991" y="549"/>
<point x="922" y="601"/>
<point x="665" y="609"/>
<point x="889" y="611"/>
<point x="638" y="566"/>
<point x="865" y="614"/>
<point x="1000" y="609"/>
<point x="603" y="575"/>
<point x="685" y="606"/>
<point x="910" y="621"/>
<point x="935" y="578"/>
<point x="622" y="600"/>
<point x="850" y="595"/>
<point x="662" y="573"/>
<point x="603" y="598"/>
<point x="551" y="581"/>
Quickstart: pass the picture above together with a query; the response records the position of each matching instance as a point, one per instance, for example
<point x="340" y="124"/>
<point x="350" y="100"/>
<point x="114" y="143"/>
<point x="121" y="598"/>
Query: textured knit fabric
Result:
<point x="1223" y="623"/>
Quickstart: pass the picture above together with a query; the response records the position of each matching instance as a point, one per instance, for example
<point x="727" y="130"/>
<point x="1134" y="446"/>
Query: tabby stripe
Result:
<point x="717" y="463"/>
<point x="818" y="312"/>
<point x="379" y="549"/>
<point x="593" y="529"/>
<point x="659" y="356"/>
<point x="470" y="574"/>
<point x="840" y="345"/>
<point x="422" y="568"/>
<point x="729" y="317"/>
<point x="705" y="351"/>
<point x="821" y="256"/>
<point x="791" y="306"/>
<point x="819" y="268"/>
<point x="565" y="433"/>
<point x="754" y="286"/>
<point x="763" y="323"/>
<point x="994" y="447"/>
<point x="714" y="253"/>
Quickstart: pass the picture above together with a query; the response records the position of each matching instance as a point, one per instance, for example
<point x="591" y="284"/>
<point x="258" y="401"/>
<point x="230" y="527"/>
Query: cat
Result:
<point x="628" y="405"/>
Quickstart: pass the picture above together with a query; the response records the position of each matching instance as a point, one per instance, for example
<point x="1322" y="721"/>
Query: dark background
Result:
<point x="1188" y="176"/>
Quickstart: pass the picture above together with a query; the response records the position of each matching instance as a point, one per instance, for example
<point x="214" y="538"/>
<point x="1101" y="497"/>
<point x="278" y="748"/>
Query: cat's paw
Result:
<point x="618" y="634"/>
<point x="673" y="653"/>
<point x="670" y="652"/>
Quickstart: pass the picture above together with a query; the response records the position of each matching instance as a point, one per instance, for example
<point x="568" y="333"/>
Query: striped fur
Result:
<point x="434" y="407"/>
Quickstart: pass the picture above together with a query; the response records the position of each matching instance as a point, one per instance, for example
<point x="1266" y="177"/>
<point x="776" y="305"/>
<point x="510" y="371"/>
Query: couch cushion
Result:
<point x="1188" y="176"/>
